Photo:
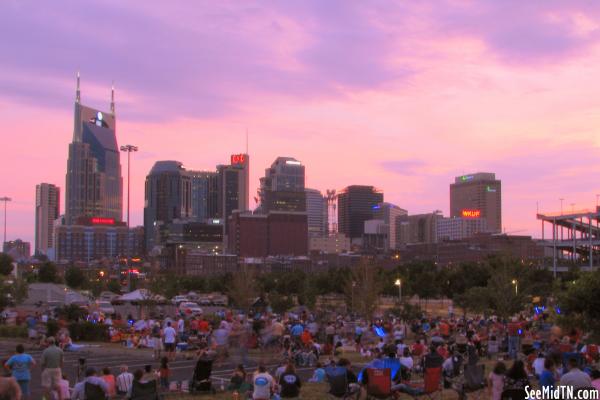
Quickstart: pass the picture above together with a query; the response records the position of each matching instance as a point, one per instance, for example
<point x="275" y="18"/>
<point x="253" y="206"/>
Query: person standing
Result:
<point x="125" y="379"/>
<point x="52" y="363"/>
<point x="169" y="338"/>
<point x="20" y="366"/>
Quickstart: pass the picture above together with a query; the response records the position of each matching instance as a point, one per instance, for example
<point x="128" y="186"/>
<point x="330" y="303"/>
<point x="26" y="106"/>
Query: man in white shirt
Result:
<point x="538" y="365"/>
<point x="264" y="384"/>
<point x="124" y="381"/>
<point x="169" y="338"/>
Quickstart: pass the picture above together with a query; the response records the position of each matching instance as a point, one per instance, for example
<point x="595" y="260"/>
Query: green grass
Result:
<point x="312" y="391"/>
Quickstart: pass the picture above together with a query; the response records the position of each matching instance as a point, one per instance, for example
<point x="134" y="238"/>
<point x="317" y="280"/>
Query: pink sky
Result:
<point x="403" y="97"/>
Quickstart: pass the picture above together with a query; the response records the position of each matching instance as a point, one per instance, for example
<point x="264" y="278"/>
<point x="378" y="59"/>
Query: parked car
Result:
<point x="105" y="307"/>
<point x="177" y="300"/>
<point x="190" y="308"/>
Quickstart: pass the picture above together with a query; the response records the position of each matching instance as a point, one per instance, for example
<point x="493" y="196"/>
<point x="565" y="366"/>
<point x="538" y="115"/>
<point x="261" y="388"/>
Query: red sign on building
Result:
<point x="238" y="159"/>
<point x="470" y="213"/>
<point x="102" y="221"/>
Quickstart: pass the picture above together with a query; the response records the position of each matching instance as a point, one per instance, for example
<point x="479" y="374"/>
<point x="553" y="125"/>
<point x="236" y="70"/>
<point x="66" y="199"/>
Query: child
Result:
<point x="63" y="386"/>
<point x="164" y="373"/>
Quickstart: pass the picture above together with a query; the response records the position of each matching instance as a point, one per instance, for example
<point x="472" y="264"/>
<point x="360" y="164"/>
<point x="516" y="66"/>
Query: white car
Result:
<point x="189" y="307"/>
<point x="105" y="307"/>
<point x="177" y="300"/>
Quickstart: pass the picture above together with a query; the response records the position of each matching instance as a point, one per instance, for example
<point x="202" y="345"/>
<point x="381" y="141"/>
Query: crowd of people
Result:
<point x="528" y="352"/>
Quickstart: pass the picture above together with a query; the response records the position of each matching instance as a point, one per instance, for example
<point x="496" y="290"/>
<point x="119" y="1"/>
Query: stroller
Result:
<point x="201" y="380"/>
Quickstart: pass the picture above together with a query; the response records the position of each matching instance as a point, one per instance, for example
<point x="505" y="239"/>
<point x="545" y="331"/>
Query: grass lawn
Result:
<point x="310" y="391"/>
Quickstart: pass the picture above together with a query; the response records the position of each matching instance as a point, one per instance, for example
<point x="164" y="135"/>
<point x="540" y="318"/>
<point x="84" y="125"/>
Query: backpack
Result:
<point x="94" y="392"/>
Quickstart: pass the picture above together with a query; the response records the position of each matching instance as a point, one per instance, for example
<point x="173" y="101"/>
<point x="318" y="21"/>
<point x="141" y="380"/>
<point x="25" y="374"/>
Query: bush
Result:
<point x="88" y="331"/>
<point x="13" y="331"/>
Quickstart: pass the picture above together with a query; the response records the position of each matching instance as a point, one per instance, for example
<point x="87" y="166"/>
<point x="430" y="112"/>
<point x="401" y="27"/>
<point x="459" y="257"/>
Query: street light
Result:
<point x="399" y="284"/>
<point x="516" y="283"/>
<point x="128" y="148"/>
<point x="561" y="205"/>
<point x="5" y="200"/>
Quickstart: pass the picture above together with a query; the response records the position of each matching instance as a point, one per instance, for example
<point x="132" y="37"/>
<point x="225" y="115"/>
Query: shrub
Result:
<point x="13" y="331"/>
<point x="88" y="331"/>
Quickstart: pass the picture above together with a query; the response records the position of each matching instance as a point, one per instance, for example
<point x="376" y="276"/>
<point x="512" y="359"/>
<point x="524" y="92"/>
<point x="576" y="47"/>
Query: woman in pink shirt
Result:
<point x="496" y="381"/>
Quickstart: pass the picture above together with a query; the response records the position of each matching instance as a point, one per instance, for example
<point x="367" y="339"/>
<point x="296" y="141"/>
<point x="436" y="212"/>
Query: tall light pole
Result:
<point x="516" y="283"/>
<point x="5" y="200"/>
<point x="128" y="148"/>
<point x="399" y="284"/>
<point x="561" y="204"/>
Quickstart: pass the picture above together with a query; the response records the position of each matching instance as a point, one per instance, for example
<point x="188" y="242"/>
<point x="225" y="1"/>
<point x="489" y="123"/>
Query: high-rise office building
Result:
<point x="478" y="195"/>
<point x="282" y="187"/>
<point x="418" y="228"/>
<point x="205" y="195"/>
<point x="94" y="186"/>
<point x="355" y="206"/>
<point x="459" y="228"/>
<point x="233" y="186"/>
<point x="168" y="196"/>
<point x="47" y="210"/>
<point x="389" y="214"/>
<point x="316" y="210"/>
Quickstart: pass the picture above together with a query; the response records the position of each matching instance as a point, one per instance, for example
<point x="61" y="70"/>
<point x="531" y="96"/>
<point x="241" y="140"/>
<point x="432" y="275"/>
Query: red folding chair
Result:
<point x="379" y="383"/>
<point x="432" y="382"/>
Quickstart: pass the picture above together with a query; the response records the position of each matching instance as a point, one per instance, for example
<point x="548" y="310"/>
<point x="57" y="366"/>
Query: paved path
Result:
<point x="111" y="356"/>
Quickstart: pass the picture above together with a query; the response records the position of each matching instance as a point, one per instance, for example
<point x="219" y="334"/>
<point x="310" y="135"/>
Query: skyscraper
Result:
<point x="282" y="187"/>
<point x="47" y="209"/>
<point x="205" y="195"/>
<point x="477" y="195"/>
<point x="389" y="214"/>
<point x="233" y="186"/>
<point x="316" y="210"/>
<point x="168" y="196"/>
<point x="355" y="206"/>
<point x="94" y="186"/>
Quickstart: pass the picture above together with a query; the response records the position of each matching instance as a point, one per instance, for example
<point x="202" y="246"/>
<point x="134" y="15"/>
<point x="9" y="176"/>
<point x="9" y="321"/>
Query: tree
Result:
<point x="6" y="264"/>
<point x="580" y="304"/>
<point x="243" y="288"/>
<point x="74" y="277"/>
<point x="48" y="273"/>
<point x="363" y="288"/>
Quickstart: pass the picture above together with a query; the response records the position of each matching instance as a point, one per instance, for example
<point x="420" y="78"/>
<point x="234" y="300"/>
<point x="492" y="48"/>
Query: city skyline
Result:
<point x="406" y="116"/>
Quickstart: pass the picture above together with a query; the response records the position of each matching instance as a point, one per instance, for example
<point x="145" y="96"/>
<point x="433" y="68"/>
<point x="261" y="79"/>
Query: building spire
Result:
<point x="78" y="92"/>
<point x="112" y="99"/>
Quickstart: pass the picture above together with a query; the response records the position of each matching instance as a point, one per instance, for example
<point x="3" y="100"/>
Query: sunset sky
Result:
<point x="403" y="95"/>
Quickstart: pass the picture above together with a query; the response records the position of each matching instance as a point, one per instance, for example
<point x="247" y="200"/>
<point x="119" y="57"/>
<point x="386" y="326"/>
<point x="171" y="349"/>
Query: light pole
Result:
<point x="128" y="149"/>
<point x="352" y="295"/>
<point x="5" y="200"/>
<point x="561" y="205"/>
<point x="516" y="283"/>
<point x="399" y="284"/>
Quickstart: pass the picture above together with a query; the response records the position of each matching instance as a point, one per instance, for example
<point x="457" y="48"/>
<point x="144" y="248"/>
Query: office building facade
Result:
<point x="282" y="187"/>
<point x="389" y="214"/>
<point x="205" y="195"/>
<point x="317" y="213"/>
<point x="233" y="186"/>
<point x="47" y="210"/>
<point x="478" y="195"/>
<point x="355" y="206"/>
<point x="168" y="196"/>
<point x="459" y="228"/>
<point x="94" y="185"/>
<point x="19" y="250"/>
<point x="95" y="239"/>
<point x="274" y="234"/>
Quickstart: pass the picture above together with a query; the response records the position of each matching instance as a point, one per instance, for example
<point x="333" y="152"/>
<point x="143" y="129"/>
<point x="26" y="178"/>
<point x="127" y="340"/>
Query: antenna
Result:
<point x="112" y="98"/>
<point x="78" y="92"/>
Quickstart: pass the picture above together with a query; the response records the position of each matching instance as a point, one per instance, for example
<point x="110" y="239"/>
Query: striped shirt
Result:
<point x="124" y="382"/>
